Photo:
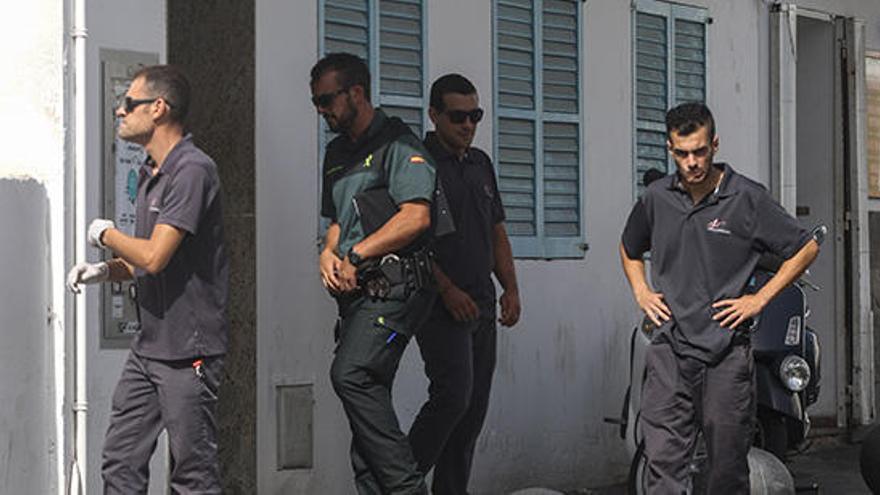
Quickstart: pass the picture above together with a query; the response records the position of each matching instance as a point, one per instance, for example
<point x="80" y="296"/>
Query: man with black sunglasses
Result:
<point x="378" y="184"/>
<point x="458" y="341"/>
<point x="706" y="226"/>
<point x="172" y="376"/>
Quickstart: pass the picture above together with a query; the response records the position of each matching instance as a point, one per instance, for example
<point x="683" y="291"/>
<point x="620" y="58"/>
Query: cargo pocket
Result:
<point x="387" y="343"/>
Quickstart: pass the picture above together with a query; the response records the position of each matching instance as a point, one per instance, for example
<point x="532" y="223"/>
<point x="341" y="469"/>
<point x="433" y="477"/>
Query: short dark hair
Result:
<point x="688" y="117"/>
<point x="171" y="84"/>
<point x="450" y="83"/>
<point x="351" y="70"/>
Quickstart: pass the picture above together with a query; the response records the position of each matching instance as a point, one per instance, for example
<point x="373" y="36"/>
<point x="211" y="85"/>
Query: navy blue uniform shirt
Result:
<point x="707" y="252"/>
<point x="467" y="256"/>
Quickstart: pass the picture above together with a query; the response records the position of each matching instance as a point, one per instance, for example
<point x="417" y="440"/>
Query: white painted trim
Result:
<point x="783" y="106"/>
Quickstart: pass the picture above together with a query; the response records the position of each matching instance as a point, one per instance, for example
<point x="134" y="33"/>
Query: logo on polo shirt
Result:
<point x="718" y="226"/>
<point x="154" y="206"/>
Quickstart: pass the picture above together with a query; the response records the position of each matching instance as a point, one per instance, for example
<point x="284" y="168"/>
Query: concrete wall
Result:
<point x="32" y="446"/>
<point x="122" y="25"/>
<point x="27" y="436"/>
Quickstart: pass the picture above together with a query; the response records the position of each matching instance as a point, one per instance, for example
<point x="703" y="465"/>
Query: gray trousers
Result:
<point x="372" y="338"/>
<point x="682" y="394"/>
<point x="459" y="361"/>
<point x="153" y="395"/>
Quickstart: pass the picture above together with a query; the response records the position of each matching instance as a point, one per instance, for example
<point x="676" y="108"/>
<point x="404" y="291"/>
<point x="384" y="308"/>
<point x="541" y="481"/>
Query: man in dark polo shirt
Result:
<point x="375" y="160"/>
<point x="706" y="227"/>
<point x="171" y="378"/>
<point x="458" y="341"/>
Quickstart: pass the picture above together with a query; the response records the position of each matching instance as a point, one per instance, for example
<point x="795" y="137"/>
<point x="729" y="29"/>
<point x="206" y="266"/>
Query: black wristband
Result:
<point x="354" y="258"/>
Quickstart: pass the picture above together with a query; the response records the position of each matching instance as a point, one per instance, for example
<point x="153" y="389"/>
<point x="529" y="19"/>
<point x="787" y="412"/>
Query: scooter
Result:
<point x="787" y="362"/>
<point x="787" y="381"/>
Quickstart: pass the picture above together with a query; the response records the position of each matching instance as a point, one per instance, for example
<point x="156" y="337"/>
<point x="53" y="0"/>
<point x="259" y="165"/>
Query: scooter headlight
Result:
<point x="795" y="373"/>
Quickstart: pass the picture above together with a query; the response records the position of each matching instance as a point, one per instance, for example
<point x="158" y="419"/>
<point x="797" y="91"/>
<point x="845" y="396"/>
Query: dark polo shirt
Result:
<point x="703" y="253"/>
<point x="467" y="256"/>
<point x="183" y="308"/>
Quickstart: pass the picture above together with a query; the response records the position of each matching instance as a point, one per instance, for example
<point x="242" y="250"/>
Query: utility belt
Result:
<point x="396" y="276"/>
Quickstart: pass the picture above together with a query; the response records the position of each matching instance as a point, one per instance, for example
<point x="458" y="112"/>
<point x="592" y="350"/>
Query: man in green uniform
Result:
<point x="372" y="265"/>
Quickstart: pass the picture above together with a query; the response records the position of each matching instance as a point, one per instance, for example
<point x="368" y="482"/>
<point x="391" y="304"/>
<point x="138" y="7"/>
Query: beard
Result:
<point x="342" y="123"/>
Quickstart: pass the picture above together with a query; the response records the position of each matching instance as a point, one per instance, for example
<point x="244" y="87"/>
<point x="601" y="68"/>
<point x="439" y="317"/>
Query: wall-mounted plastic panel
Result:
<point x="121" y="161"/>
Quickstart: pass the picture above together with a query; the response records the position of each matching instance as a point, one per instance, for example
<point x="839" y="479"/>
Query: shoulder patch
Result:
<point x="416" y="159"/>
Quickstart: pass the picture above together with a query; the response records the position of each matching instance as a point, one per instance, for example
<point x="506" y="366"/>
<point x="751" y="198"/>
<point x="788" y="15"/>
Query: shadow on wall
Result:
<point x="26" y="407"/>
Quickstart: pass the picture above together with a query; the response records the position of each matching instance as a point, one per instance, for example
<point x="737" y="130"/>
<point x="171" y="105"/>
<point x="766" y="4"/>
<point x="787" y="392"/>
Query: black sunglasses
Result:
<point x="458" y="116"/>
<point x="324" y="100"/>
<point x="129" y="103"/>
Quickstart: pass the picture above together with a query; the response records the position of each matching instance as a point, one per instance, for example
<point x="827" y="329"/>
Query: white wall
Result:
<point x="27" y="436"/>
<point x="294" y="316"/>
<point x="31" y="217"/>
<point x="123" y="25"/>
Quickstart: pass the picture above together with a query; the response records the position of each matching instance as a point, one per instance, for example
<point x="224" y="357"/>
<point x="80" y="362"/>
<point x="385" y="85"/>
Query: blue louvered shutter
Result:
<point x="669" y="68"/>
<point x="690" y="61"/>
<point x="516" y="157"/>
<point x="347" y="27"/>
<point x="537" y="132"/>
<point x="651" y="92"/>
<point x="401" y="60"/>
<point x="561" y="126"/>
<point x="515" y="54"/>
<point x="516" y="162"/>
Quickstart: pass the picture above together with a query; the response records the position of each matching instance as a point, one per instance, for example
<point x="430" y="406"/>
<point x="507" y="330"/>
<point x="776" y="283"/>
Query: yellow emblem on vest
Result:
<point x="416" y="159"/>
<point x="368" y="161"/>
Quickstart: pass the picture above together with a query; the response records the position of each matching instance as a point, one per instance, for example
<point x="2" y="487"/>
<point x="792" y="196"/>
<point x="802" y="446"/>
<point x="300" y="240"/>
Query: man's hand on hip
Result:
<point x="86" y="273"/>
<point x="460" y="304"/>
<point x="652" y="304"/>
<point x="736" y="311"/>
<point x="96" y="230"/>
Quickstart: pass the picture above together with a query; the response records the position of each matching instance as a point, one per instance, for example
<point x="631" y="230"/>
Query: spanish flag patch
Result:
<point x="416" y="159"/>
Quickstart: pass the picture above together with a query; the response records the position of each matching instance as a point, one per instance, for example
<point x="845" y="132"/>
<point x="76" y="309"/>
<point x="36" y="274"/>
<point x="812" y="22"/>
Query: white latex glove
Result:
<point x="86" y="273"/>
<point x="96" y="228"/>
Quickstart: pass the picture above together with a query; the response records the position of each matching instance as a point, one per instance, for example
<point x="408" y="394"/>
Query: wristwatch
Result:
<point x="354" y="258"/>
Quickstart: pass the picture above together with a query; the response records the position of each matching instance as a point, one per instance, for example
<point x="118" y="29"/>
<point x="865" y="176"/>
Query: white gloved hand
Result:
<point x="86" y="273"/>
<point x="96" y="229"/>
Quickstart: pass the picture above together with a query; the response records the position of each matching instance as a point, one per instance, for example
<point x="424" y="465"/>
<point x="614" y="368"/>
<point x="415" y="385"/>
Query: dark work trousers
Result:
<point x="371" y="341"/>
<point x="675" y="387"/>
<point x="173" y="395"/>
<point x="459" y="362"/>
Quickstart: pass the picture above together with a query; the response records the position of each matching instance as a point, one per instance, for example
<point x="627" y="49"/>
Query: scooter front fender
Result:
<point x="772" y="394"/>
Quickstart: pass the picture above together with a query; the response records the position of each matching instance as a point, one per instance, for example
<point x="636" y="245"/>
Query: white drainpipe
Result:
<point x="78" y="474"/>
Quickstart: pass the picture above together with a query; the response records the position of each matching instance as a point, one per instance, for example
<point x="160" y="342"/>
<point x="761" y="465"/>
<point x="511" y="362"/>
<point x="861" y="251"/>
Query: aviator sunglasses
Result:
<point x="458" y="116"/>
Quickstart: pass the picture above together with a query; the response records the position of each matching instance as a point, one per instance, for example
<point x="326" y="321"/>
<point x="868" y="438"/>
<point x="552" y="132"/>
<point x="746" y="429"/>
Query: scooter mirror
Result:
<point x="819" y="234"/>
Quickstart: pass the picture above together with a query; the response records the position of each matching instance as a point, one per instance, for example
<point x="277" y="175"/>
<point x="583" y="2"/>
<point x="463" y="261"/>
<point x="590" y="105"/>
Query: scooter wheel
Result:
<point x="869" y="460"/>
<point x="773" y="433"/>
<point x="637" y="479"/>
